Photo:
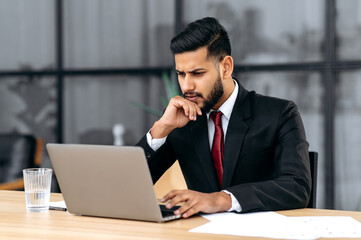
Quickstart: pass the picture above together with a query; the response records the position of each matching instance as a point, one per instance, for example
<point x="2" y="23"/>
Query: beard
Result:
<point x="213" y="97"/>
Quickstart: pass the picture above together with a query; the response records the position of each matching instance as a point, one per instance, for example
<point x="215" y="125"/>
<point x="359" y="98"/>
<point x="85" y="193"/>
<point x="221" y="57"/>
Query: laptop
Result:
<point x="107" y="181"/>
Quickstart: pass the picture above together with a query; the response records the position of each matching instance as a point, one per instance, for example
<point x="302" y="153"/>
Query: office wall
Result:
<point x="285" y="39"/>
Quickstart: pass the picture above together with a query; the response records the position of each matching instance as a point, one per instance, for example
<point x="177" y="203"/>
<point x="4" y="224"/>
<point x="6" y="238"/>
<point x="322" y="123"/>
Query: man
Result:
<point x="238" y="151"/>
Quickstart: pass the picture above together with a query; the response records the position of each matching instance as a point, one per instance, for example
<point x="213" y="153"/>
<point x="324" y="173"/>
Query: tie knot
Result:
<point x="216" y="117"/>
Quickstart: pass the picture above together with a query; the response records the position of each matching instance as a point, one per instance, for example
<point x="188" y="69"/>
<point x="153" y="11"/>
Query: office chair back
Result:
<point x="172" y="179"/>
<point x="314" y="164"/>
<point x="16" y="153"/>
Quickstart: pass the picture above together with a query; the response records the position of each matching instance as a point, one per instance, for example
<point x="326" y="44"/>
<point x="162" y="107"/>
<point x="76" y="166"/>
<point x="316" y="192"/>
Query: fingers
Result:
<point x="194" y="110"/>
<point x="195" y="202"/>
<point x="174" y="197"/>
<point x="188" y="108"/>
<point x="191" y="201"/>
<point x="189" y="212"/>
<point x="190" y="208"/>
<point x="197" y="110"/>
<point x="168" y="196"/>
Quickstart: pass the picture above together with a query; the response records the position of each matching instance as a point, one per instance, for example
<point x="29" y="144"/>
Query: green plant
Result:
<point x="172" y="90"/>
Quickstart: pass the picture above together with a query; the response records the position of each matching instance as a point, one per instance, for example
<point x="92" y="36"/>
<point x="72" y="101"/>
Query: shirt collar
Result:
<point x="227" y="107"/>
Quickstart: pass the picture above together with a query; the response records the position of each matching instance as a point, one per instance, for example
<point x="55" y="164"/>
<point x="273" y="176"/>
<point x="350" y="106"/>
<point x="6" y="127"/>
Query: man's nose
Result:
<point x="188" y="84"/>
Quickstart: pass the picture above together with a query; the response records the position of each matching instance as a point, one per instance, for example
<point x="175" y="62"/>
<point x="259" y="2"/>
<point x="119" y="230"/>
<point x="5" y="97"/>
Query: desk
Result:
<point x="17" y="223"/>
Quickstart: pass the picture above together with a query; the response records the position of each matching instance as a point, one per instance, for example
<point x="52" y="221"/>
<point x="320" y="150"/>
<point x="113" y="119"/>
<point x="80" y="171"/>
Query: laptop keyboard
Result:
<point x="167" y="212"/>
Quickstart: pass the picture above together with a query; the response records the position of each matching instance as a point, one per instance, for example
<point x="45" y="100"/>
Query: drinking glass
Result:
<point x="37" y="182"/>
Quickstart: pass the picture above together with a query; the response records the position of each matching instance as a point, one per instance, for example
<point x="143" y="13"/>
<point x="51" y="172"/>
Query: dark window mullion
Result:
<point x="329" y="108"/>
<point x="310" y="66"/>
<point x="178" y="21"/>
<point x="59" y="68"/>
<point x="315" y="66"/>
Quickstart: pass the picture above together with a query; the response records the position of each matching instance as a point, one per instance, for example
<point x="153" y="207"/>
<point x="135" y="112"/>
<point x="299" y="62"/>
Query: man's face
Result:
<point x="199" y="78"/>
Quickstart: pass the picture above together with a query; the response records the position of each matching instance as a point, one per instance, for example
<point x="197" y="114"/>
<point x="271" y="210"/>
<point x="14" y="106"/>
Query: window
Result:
<point x="72" y="69"/>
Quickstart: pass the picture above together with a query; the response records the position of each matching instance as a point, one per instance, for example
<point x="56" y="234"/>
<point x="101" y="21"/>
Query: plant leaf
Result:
<point x="146" y="108"/>
<point x="171" y="84"/>
<point x="171" y="88"/>
<point x="164" y="101"/>
<point x="167" y="84"/>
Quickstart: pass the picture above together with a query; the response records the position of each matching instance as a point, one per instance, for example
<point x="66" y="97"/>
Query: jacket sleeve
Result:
<point x="291" y="185"/>
<point x="158" y="161"/>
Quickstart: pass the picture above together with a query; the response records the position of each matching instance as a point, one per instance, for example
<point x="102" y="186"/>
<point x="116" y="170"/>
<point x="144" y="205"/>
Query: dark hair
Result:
<point x="203" y="32"/>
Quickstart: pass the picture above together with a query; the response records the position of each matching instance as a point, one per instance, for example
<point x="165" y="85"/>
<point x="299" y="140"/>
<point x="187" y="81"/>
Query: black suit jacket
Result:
<point x="266" y="163"/>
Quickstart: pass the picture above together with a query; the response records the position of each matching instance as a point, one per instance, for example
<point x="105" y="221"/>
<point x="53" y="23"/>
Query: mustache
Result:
<point x="192" y="94"/>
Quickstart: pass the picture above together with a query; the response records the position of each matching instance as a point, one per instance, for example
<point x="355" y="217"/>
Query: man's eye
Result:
<point x="197" y="73"/>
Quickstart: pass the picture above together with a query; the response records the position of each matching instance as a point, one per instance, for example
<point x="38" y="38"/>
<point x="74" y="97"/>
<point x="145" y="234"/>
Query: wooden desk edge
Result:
<point x="17" y="198"/>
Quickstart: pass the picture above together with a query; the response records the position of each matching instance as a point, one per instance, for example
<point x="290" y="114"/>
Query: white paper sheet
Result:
<point x="328" y="227"/>
<point x="59" y="205"/>
<point x="273" y="225"/>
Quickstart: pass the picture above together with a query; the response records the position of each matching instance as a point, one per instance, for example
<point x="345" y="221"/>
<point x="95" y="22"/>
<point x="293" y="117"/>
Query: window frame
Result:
<point x="329" y="69"/>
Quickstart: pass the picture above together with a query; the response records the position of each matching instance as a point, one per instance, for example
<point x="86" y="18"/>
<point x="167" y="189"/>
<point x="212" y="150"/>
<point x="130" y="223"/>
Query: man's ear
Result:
<point x="227" y="67"/>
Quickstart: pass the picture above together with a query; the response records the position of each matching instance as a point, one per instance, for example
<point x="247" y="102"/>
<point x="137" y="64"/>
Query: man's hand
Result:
<point x="195" y="202"/>
<point x="177" y="114"/>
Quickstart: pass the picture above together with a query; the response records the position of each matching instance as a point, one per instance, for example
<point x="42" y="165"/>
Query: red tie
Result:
<point x="217" y="147"/>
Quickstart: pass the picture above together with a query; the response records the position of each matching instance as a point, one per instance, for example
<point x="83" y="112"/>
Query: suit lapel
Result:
<point x="237" y="129"/>
<point x="199" y="132"/>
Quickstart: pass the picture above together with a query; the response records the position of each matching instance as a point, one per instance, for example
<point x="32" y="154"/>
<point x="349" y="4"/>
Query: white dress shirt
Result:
<point x="226" y="108"/>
